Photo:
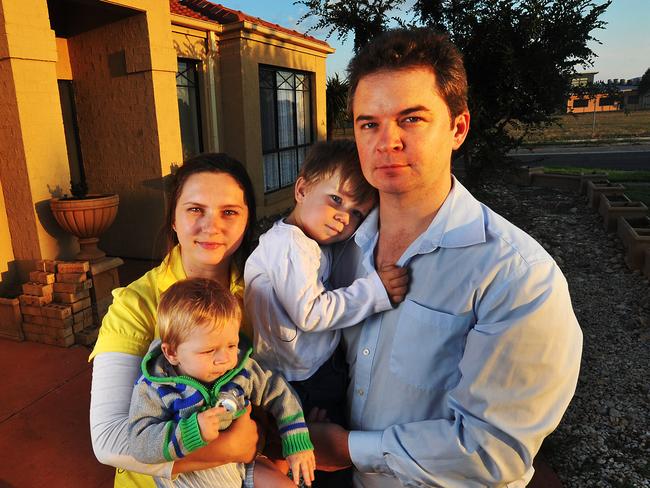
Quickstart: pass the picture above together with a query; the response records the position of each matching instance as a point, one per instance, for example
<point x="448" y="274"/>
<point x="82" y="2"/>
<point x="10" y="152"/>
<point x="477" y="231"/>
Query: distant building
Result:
<point x="628" y="96"/>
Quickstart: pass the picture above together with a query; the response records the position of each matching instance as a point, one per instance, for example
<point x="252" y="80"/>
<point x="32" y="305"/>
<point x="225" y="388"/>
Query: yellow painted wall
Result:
<point x="6" y="250"/>
<point x="33" y="160"/>
<point x="241" y="52"/>
<point x="125" y="92"/>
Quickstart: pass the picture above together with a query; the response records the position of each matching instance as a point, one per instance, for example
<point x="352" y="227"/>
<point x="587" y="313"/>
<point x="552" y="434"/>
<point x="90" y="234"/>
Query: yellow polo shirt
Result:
<point x="130" y="325"/>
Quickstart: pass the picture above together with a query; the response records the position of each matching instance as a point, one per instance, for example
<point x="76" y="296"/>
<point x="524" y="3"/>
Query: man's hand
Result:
<point x="331" y="446"/>
<point x="302" y="463"/>
<point x="210" y="421"/>
<point x="395" y="280"/>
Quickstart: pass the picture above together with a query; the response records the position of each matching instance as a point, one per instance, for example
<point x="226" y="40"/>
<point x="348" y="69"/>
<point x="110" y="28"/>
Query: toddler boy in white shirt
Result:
<point x="295" y="316"/>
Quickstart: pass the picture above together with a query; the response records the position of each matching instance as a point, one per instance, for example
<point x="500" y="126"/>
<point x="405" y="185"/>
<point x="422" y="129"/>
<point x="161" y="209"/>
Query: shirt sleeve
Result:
<point x="129" y="325"/>
<point x="518" y="371"/>
<point x="272" y="392"/>
<point x="112" y="384"/>
<point x="297" y="286"/>
<point x="155" y="436"/>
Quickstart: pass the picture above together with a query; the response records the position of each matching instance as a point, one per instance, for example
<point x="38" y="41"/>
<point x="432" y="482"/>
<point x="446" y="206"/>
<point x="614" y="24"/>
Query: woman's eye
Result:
<point x="194" y="210"/>
<point x="230" y="212"/>
<point x="336" y="199"/>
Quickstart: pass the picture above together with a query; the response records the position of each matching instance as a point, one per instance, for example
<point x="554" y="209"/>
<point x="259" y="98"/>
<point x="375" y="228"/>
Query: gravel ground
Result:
<point x="604" y="438"/>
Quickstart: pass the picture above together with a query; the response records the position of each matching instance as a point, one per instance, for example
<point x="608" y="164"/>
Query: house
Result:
<point x="118" y="92"/>
<point x="621" y="95"/>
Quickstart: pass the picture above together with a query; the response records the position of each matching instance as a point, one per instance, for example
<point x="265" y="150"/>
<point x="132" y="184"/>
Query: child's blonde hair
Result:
<point x="325" y="158"/>
<point x="192" y="303"/>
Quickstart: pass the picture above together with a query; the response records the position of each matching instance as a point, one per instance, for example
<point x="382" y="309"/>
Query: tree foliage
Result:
<point x="519" y="54"/>
<point x="336" y="104"/>
<point x="644" y="84"/>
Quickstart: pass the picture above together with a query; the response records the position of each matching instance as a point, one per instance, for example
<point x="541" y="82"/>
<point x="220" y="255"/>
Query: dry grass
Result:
<point x="608" y="125"/>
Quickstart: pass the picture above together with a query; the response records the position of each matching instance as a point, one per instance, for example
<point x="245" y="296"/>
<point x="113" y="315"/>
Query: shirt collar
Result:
<point x="459" y="223"/>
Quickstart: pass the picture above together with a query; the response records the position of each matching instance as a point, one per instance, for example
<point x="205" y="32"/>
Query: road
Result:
<point x="612" y="156"/>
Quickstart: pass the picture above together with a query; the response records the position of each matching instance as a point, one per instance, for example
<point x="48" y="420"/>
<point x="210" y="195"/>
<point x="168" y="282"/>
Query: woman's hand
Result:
<point x="237" y="444"/>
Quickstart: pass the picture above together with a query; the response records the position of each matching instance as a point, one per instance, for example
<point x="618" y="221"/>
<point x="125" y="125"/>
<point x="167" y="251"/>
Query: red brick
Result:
<point x="73" y="267"/>
<point x="57" y="311"/>
<point x="71" y="277"/>
<point x="34" y="300"/>
<point x="41" y="277"/>
<point x="80" y="305"/>
<point x="37" y="289"/>
<point x="31" y="310"/>
<point x="59" y="323"/>
<point x="70" y="297"/>
<point x="73" y="287"/>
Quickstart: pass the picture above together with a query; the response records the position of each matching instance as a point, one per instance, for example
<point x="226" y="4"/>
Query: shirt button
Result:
<point x="360" y="391"/>
<point x="366" y="351"/>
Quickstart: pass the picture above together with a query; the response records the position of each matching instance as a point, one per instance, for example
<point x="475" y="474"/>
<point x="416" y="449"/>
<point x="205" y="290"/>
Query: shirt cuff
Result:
<point x="366" y="452"/>
<point x="382" y="301"/>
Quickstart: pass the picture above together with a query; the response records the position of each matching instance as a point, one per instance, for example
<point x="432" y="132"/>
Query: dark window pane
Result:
<point x="187" y="91"/>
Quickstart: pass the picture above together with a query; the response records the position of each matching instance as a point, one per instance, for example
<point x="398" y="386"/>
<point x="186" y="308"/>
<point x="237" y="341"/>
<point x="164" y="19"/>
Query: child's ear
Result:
<point x="300" y="189"/>
<point x="170" y="353"/>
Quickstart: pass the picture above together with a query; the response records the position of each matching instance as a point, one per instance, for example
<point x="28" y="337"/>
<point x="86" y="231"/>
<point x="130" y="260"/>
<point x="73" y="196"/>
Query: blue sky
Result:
<point x="624" y="52"/>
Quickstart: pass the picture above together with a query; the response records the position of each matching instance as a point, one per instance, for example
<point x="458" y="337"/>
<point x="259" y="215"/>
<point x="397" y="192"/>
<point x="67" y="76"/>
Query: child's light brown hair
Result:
<point x="192" y="303"/>
<point x="324" y="159"/>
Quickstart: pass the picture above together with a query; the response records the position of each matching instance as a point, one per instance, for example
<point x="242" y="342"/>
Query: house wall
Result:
<point x="125" y="97"/>
<point x="241" y="51"/>
<point x="33" y="160"/>
<point x="6" y="250"/>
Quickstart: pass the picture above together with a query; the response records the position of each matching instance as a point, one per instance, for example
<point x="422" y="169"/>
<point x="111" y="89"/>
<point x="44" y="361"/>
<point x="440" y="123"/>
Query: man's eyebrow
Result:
<point x="401" y="113"/>
<point x="417" y="108"/>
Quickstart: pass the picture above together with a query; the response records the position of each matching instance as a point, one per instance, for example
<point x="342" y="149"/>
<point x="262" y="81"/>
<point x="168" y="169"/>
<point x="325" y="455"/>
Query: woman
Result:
<point x="209" y="226"/>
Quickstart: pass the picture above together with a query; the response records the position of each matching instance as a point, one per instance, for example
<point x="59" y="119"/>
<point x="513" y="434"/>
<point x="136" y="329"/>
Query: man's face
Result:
<point x="404" y="132"/>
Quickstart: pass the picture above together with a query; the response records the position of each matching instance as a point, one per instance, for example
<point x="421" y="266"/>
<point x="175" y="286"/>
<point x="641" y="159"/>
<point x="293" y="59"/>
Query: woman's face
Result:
<point x="210" y="220"/>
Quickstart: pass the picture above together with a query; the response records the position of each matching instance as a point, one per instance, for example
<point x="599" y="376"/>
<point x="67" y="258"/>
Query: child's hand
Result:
<point x="395" y="280"/>
<point x="210" y="421"/>
<point x="302" y="463"/>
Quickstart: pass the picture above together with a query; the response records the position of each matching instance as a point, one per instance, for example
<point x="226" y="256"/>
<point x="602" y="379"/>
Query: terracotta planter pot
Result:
<point x="86" y="218"/>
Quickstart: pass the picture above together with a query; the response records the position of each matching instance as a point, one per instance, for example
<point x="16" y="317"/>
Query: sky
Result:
<point x="624" y="52"/>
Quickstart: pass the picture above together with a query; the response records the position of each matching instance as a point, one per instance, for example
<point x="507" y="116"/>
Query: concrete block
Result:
<point x="594" y="190"/>
<point x="11" y="319"/>
<point x="635" y="236"/>
<point x="614" y="206"/>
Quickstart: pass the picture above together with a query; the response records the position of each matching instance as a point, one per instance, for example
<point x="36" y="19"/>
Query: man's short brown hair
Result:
<point x="401" y="49"/>
<point x="324" y="159"/>
<point x="192" y="303"/>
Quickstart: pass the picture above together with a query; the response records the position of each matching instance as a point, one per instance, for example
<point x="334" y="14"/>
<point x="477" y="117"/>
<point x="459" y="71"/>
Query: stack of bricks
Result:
<point x="56" y="304"/>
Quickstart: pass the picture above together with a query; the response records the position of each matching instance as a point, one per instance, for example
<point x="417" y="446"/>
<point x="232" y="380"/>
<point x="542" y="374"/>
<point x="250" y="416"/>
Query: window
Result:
<point x="285" y="105"/>
<point x="580" y="103"/>
<point x="605" y="101"/>
<point x="187" y="90"/>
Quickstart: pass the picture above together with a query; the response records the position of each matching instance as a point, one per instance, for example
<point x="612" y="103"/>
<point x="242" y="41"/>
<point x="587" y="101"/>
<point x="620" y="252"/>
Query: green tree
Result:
<point x="336" y="104"/>
<point x="519" y="55"/>
<point x="644" y="84"/>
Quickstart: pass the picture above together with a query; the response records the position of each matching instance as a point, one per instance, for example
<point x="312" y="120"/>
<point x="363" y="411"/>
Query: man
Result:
<point x="459" y="384"/>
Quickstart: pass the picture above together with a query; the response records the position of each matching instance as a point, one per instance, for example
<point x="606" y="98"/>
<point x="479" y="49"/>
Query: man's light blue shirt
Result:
<point x="459" y="384"/>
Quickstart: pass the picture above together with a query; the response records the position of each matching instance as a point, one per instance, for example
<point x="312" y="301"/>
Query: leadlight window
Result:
<point x="189" y="107"/>
<point x="286" y="119"/>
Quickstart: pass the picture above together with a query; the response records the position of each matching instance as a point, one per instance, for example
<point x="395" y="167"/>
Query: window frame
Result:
<point x="309" y="126"/>
<point x="196" y="66"/>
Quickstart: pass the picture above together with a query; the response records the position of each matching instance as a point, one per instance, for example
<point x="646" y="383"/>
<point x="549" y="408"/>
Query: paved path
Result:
<point x="611" y="156"/>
